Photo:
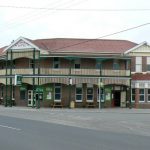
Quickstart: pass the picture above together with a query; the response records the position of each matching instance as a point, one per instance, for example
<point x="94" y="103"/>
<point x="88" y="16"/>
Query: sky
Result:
<point x="43" y="24"/>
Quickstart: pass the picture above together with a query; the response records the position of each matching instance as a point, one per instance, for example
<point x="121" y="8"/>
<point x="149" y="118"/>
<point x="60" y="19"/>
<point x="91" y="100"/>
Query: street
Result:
<point x="64" y="129"/>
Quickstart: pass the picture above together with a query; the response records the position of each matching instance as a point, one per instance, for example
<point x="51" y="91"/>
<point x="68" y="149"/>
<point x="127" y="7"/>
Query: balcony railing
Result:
<point x="90" y="72"/>
<point x="2" y="71"/>
<point x="106" y="72"/>
<point x="67" y="71"/>
<point x="53" y="71"/>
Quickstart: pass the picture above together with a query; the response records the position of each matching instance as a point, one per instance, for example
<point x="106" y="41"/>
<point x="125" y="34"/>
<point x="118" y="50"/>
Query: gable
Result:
<point x="139" y="50"/>
<point x="21" y="44"/>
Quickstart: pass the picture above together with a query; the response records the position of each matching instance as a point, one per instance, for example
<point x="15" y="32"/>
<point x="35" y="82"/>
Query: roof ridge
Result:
<point x="82" y="39"/>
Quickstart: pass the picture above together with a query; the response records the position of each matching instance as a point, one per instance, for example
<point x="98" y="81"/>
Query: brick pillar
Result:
<point x="84" y="93"/>
<point x="95" y="93"/>
<point x="136" y="97"/>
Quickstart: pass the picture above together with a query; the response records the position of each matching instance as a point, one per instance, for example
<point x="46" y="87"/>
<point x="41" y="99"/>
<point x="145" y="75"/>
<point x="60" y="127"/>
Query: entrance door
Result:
<point x="117" y="98"/>
<point x="30" y="98"/>
<point x="123" y="99"/>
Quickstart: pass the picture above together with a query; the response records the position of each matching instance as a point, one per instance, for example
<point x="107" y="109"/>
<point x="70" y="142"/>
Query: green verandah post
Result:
<point x="38" y="102"/>
<point x="33" y="79"/>
<point x="70" y="86"/>
<point x="100" y="81"/>
<point x="6" y="103"/>
<point x="130" y="104"/>
<point x="11" y="66"/>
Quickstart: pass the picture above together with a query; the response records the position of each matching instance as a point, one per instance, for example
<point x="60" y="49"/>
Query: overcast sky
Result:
<point x="38" y="24"/>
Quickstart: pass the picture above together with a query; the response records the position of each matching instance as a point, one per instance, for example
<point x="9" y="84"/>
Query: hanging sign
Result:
<point x="18" y="80"/>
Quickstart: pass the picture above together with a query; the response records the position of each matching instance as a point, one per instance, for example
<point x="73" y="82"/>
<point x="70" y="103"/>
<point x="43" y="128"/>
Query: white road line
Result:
<point x="10" y="127"/>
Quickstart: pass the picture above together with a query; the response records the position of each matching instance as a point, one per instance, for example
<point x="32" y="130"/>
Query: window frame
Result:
<point x="133" y="94"/>
<point x="90" y="86"/>
<point x="56" y="61"/>
<point x="98" y="66"/>
<point x="138" y="63"/>
<point x="148" y="94"/>
<point x="56" y="85"/>
<point x="141" y="95"/>
<point x="31" y="63"/>
<point x="81" y="87"/>
<point x="148" y="63"/>
<point x="77" y="62"/>
<point x="116" y="66"/>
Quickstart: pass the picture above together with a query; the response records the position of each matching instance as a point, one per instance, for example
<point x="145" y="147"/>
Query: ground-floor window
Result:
<point x="133" y="94"/>
<point x="89" y="92"/>
<point x="57" y="92"/>
<point x="102" y="95"/>
<point x="141" y="95"/>
<point x="148" y="95"/>
<point x="79" y="92"/>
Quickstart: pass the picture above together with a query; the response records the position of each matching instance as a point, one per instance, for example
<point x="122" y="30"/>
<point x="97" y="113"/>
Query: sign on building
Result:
<point x="18" y="80"/>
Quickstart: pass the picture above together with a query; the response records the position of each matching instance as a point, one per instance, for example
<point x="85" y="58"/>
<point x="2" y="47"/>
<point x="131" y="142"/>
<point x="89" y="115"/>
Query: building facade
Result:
<point x="86" y="73"/>
<point x="140" y="70"/>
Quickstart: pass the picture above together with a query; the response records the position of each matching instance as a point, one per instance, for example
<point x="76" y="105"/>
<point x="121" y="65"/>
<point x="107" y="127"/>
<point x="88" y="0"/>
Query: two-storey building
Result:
<point x="140" y="70"/>
<point x="55" y="72"/>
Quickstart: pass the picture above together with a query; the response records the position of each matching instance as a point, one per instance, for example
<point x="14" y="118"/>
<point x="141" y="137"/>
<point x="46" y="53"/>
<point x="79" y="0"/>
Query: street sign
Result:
<point x="18" y="80"/>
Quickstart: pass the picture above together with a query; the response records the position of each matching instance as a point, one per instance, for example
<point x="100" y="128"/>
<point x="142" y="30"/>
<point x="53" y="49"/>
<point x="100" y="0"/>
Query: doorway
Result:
<point x="117" y="96"/>
<point x="31" y="102"/>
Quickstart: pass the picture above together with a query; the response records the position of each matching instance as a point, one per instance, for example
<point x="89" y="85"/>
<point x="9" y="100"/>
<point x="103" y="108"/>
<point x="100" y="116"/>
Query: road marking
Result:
<point x="10" y="127"/>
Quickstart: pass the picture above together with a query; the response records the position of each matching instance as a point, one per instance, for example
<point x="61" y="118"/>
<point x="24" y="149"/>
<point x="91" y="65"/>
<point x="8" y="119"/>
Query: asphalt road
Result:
<point x="24" y="134"/>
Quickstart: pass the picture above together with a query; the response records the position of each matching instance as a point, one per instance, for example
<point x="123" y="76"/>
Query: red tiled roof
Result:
<point x="2" y="50"/>
<point x="140" y="76"/>
<point x="84" y="45"/>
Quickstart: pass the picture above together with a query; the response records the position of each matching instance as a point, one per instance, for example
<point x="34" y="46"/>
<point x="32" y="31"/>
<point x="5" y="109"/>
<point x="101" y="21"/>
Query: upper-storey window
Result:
<point x="77" y="64"/>
<point x="148" y="63"/>
<point x="127" y="65"/>
<point x="116" y="65"/>
<point x="98" y="65"/>
<point x="56" y="62"/>
<point x="138" y="64"/>
<point x="31" y="63"/>
<point x="14" y="63"/>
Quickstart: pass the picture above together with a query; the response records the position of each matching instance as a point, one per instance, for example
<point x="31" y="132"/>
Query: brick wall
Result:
<point x="22" y="63"/>
<point x="144" y="64"/>
<point x="133" y="64"/>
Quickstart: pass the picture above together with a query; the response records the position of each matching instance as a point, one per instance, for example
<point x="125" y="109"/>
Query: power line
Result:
<point x="90" y="40"/>
<point x="36" y="16"/>
<point x="64" y="9"/>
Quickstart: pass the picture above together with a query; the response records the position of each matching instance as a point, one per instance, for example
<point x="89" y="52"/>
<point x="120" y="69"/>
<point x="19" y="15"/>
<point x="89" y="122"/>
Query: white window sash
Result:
<point x="79" y="86"/>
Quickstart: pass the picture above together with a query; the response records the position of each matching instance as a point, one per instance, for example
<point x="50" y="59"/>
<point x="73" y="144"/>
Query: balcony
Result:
<point x="67" y="71"/>
<point x="106" y="72"/>
<point x="2" y="71"/>
<point x="53" y="71"/>
<point x="87" y="72"/>
<point x="22" y="71"/>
